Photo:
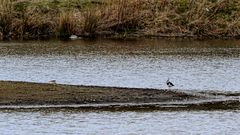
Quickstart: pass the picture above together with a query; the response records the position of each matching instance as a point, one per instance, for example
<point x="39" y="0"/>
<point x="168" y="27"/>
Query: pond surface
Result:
<point x="190" y="65"/>
<point x="119" y="123"/>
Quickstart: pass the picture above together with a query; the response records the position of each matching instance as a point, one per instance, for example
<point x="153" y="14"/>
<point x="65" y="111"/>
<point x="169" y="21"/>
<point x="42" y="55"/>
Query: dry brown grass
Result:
<point x="67" y="23"/>
<point x="202" y="18"/>
<point x="6" y="16"/>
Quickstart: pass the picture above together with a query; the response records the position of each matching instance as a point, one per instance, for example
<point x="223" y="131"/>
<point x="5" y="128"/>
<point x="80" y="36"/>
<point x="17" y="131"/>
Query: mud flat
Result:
<point x="15" y="95"/>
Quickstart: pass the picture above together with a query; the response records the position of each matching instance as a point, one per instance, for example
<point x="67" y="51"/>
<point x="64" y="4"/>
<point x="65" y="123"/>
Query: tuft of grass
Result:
<point x="123" y="16"/>
<point x="6" y="17"/>
<point x="182" y="5"/>
<point x="66" y="24"/>
<point x="91" y="19"/>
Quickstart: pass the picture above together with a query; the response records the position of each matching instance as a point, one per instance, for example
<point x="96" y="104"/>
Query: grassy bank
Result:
<point x="24" y="19"/>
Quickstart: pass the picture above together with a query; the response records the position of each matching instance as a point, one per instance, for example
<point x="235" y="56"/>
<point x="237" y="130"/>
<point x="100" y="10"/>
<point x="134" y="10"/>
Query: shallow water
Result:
<point x="190" y="65"/>
<point x="201" y="65"/>
<point x="121" y="123"/>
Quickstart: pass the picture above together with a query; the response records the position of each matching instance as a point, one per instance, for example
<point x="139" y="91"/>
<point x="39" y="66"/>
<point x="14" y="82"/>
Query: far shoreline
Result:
<point x="122" y="37"/>
<point x="120" y="19"/>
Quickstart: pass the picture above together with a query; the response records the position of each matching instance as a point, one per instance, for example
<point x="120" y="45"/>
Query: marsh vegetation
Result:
<point x="20" y="19"/>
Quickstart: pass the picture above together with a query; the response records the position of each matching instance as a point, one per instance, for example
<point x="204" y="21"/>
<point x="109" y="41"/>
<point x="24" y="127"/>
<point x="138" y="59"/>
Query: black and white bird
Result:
<point x="52" y="82"/>
<point x="169" y="84"/>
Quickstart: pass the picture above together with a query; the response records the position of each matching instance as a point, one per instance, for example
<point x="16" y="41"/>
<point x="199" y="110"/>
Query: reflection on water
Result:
<point x="122" y="123"/>
<point x="190" y="65"/>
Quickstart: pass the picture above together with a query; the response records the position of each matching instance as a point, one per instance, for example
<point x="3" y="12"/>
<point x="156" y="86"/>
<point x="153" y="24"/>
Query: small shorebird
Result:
<point x="169" y="84"/>
<point x="52" y="81"/>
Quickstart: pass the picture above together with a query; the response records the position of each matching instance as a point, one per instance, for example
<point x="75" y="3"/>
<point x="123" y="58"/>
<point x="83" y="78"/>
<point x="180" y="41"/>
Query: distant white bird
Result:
<point x="52" y="81"/>
<point x="73" y="37"/>
<point x="207" y="9"/>
<point x="169" y="84"/>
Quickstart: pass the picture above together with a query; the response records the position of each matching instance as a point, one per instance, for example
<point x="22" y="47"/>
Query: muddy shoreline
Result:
<point x="44" y="95"/>
<point x="138" y="36"/>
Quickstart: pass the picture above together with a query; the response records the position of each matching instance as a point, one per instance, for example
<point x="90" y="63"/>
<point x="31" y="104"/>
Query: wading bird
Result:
<point x="52" y="81"/>
<point x="169" y="84"/>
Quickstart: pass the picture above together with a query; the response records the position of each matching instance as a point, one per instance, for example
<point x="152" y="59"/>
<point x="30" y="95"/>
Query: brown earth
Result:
<point x="26" y="93"/>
